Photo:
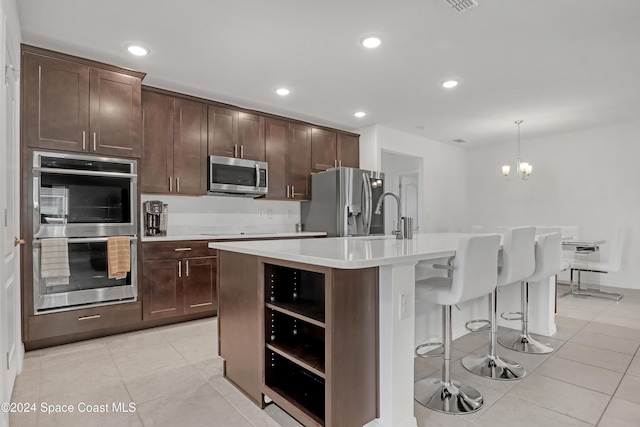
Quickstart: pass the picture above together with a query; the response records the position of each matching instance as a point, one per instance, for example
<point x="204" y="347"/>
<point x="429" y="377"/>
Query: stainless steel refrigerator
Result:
<point x="342" y="203"/>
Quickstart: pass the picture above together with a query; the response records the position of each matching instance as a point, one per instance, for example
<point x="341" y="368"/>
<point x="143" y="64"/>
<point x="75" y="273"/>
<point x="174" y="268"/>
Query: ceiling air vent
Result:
<point x="462" y="5"/>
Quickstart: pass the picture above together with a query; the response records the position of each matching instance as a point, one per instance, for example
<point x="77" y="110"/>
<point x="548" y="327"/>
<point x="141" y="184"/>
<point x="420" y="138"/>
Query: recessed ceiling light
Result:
<point x="137" y="50"/>
<point x="450" y="84"/>
<point x="371" y="42"/>
<point x="359" y="114"/>
<point x="283" y="91"/>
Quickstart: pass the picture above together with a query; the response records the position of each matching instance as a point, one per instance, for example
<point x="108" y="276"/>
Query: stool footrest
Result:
<point x="426" y="354"/>
<point x="485" y="325"/>
<point x="512" y="315"/>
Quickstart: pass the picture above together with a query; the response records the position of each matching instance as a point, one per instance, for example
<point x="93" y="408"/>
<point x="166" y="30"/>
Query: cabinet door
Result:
<point x="56" y="103"/>
<point x="190" y="147"/>
<point x="300" y="161"/>
<point x="251" y="136"/>
<point x="348" y="151"/>
<point x="157" y="131"/>
<point x="323" y="150"/>
<point x="223" y="132"/>
<point x="200" y="285"/>
<point x="277" y="155"/>
<point x="115" y="113"/>
<point x="162" y="293"/>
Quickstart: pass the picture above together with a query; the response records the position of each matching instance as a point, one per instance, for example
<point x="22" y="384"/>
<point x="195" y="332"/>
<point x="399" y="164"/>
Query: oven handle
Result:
<point x="86" y="240"/>
<point x="36" y="206"/>
<point x="85" y="173"/>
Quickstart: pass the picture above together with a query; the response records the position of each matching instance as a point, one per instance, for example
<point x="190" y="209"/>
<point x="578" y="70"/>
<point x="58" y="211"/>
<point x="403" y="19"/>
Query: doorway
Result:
<point x="402" y="176"/>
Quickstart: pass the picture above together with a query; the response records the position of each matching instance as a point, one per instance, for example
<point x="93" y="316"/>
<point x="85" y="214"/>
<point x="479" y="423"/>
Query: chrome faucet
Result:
<point x="398" y="231"/>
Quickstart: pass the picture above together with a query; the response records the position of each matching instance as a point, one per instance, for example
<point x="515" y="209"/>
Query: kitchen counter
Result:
<point x="351" y="252"/>
<point x="396" y="261"/>
<point x="232" y="236"/>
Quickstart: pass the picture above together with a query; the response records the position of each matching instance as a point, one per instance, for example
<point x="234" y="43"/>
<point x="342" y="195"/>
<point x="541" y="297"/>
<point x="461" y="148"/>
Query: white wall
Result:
<point x="443" y="205"/>
<point x="588" y="178"/>
<point x="214" y="214"/>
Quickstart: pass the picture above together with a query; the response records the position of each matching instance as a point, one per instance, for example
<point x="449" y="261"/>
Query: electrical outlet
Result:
<point x="270" y="214"/>
<point x="260" y="213"/>
<point x="403" y="310"/>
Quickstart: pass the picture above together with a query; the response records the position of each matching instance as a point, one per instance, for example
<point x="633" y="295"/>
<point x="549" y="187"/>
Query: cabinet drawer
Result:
<point x="176" y="250"/>
<point x="84" y="320"/>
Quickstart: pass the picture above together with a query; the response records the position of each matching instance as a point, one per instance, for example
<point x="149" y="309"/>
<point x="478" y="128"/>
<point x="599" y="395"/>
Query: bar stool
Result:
<point x="518" y="263"/>
<point x="472" y="274"/>
<point x="548" y="263"/>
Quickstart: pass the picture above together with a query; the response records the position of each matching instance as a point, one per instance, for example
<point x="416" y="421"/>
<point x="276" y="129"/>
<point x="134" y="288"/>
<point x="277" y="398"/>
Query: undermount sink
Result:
<point x="373" y="237"/>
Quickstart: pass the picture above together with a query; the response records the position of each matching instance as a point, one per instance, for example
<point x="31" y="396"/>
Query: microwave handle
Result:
<point x="257" y="176"/>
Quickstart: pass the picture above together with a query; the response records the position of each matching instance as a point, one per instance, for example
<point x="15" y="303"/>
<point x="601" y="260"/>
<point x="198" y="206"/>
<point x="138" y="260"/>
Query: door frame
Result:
<point x="10" y="71"/>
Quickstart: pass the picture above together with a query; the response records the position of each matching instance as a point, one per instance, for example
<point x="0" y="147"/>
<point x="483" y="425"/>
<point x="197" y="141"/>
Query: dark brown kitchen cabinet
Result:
<point x="162" y="289"/>
<point x="234" y="133"/>
<point x="332" y="149"/>
<point x="288" y="153"/>
<point x="200" y="277"/>
<point x="73" y="104"/>
<point x="303" y="335"/>
<point x="348" y="150"/>
<point x="178" y="278"/>
<point x="174" y="144"/>
<point x="323" y="149"/>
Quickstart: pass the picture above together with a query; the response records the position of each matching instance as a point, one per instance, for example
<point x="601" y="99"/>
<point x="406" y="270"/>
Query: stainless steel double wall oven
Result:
<point x="85" y="199"/>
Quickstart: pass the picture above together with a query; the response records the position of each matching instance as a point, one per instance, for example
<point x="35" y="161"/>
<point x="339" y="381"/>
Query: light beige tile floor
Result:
<point x="173" y="376"/>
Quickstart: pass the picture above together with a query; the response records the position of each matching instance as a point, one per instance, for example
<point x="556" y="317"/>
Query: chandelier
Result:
<point x="523" y="169"/>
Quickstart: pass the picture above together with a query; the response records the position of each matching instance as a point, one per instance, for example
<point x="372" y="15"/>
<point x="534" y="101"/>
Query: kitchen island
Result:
<point x="362" y="347"/>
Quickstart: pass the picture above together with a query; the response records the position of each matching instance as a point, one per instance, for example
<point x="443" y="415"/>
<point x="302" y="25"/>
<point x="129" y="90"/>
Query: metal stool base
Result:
<point x="450" y="398"/>
<point x="525" y="344"/>
<point x="495" y="368"/>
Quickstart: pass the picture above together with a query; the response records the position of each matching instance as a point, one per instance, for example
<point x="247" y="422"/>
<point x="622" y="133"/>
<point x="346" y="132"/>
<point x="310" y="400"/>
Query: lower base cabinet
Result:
<point x="178" y="278"/>
<point x="304" y="336"/>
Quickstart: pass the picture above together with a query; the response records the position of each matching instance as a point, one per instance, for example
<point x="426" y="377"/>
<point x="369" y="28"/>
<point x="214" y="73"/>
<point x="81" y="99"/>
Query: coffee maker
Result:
<point x="155" y="218"/>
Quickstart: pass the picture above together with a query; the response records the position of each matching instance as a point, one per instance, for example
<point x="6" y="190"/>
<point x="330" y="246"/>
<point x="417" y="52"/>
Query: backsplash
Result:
<point x="213" y="214"/>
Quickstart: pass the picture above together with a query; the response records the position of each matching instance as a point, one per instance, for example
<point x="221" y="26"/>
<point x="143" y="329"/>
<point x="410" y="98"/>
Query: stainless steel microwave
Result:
<point x="237" y="177"/>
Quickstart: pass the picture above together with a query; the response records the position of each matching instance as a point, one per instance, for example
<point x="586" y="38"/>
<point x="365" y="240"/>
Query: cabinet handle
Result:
<point x="182" y="249"/>
<point x="94" y="142"/>
<point x="242" y="151"/>
<point x="93" y="316"/>
<point x="335" y="163"/>
<point x="177" y="184"/>
<point x="187" y="261"/>
<point x="235" y="150"/>
<point x="340" y="163"/>
<point x="293" y="192"/>
<point x="84" y="140"/>
<point x="170" y="184"/>
<point x="179" y="268"/>
<point x="287" y="196"/>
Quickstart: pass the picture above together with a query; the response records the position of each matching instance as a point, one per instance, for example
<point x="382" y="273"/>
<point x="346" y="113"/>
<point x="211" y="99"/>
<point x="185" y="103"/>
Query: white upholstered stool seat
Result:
<point x="472" y="274"/>
<point x="548" y="254"/>
<point x="518" y="263"/>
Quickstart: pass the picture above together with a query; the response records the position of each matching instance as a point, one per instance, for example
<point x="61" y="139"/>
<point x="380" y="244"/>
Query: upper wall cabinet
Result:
<point x="233" y="133"/>
<point x="174" y="160"/>
<point x="331" y="149"/>
<point x="74" y="104"/>
<point x="288" y="152"/>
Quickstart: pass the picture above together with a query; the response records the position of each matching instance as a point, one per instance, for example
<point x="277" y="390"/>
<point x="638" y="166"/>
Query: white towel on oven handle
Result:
<point x="54" y="261"/>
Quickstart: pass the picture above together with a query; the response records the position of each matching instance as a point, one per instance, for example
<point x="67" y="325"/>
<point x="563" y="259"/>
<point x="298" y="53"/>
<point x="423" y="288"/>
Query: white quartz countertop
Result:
<point x="350" y="252"/>
<point x="232" y="236"/>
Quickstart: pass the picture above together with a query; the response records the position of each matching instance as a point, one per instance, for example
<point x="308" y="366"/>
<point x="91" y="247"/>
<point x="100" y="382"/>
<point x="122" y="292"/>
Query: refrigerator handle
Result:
<point x="367" y="205"/>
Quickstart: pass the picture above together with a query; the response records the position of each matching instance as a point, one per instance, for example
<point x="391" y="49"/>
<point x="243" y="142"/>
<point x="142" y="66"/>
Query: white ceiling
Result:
<point x="559" y="65"/>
